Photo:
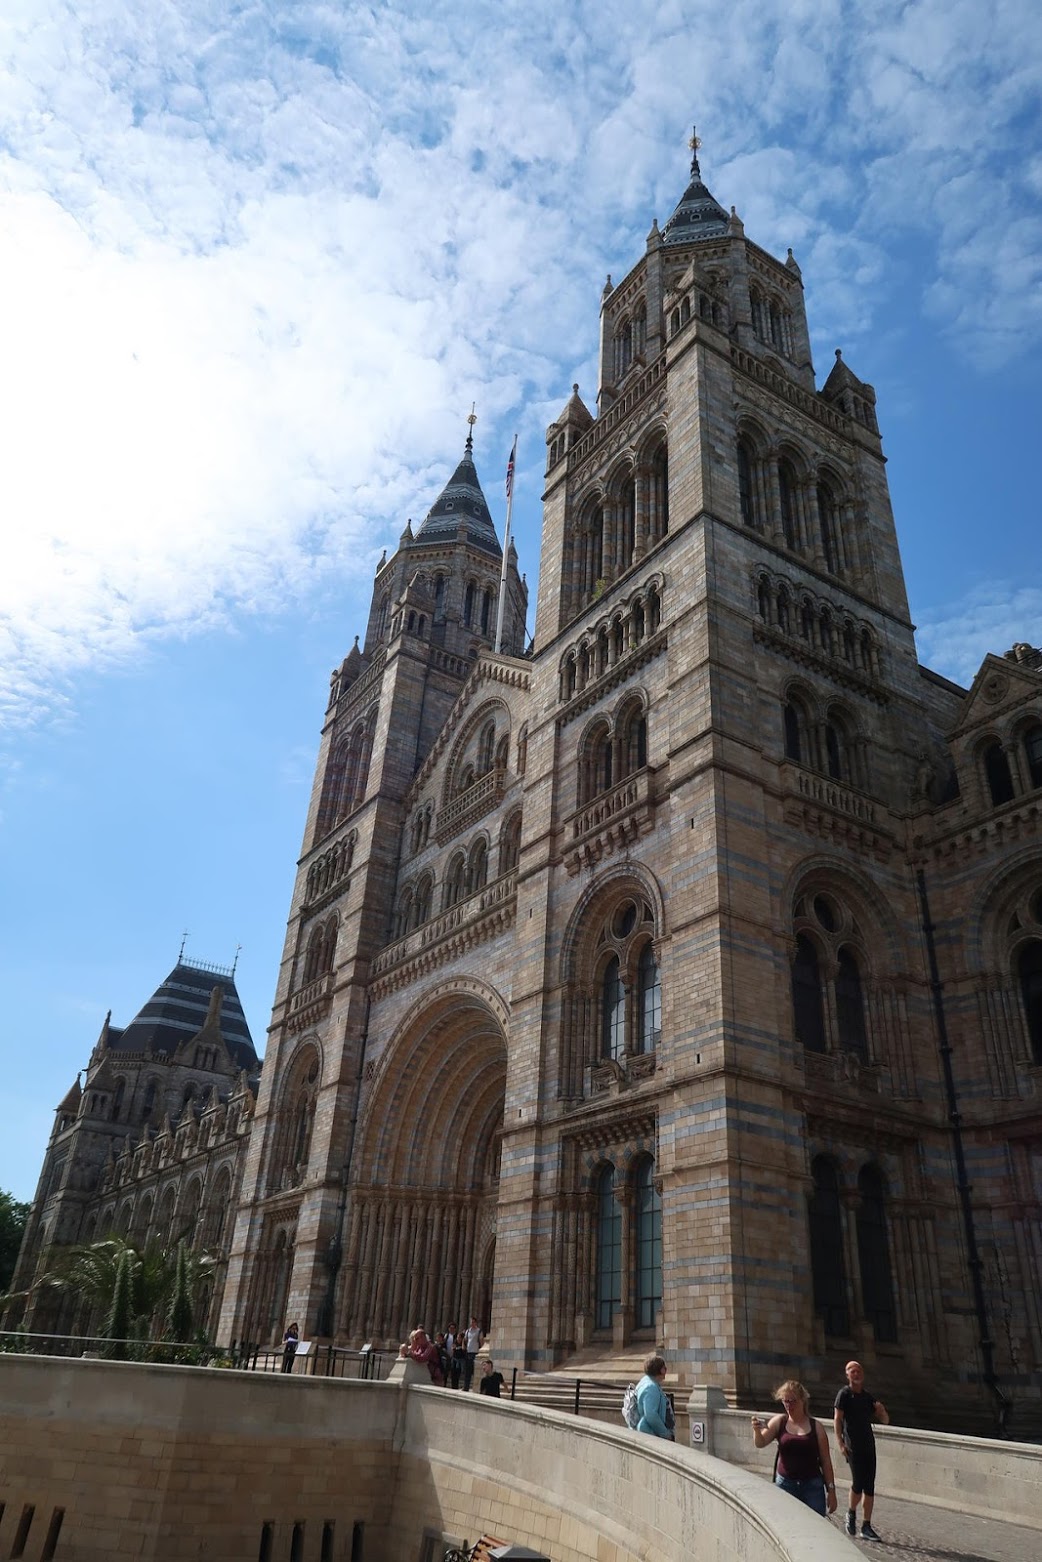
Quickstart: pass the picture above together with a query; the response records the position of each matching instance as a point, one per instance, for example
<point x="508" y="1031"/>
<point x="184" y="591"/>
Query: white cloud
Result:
<point x="256" y="263"/>
<point x="955" y="638"/>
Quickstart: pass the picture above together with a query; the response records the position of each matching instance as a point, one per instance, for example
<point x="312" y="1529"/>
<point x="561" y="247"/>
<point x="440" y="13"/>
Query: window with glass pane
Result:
<point x="850" y="1006"/>
<point x="1029" y="969"/>
<point x="613" y="1012"/>
<point x="650" y="999"/>
<point x="609" y="1250"/>
<point x="648" y="1208"/>
<point x="807" y="1010"/>
<point x="873" y="1251"/>
<point x="826" y="1249"/>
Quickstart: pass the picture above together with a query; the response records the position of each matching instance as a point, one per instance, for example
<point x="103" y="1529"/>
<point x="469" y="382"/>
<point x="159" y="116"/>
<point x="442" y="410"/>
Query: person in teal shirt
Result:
<point x="654" y="1406"/>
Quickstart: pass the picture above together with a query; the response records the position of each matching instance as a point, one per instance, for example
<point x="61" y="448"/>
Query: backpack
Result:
<point x="630" y="1407"/>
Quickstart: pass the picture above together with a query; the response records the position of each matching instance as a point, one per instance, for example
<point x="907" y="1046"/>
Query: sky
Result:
<point x="257" y="261"/>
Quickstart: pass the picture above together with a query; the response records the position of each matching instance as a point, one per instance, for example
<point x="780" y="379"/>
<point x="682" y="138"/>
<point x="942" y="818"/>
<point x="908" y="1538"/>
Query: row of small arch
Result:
<point x="612" y="639"/>
<point x="796" y="611"/>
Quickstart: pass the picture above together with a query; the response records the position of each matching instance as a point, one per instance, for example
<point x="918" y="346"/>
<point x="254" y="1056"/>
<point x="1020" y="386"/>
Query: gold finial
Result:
<point x="696" y="139"/>
<point x="471" y="419"/>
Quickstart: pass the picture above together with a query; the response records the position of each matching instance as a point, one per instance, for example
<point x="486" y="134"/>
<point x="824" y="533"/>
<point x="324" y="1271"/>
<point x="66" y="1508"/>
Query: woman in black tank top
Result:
<point x="803" y="1465"/>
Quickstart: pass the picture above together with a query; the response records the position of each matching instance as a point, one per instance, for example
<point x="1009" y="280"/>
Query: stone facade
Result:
<point x="666" y="957"/>
<point x="150" y="1147"/>
<point x="677" y="980"/>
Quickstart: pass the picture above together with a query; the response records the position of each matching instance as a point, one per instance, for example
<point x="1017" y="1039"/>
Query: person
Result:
<point x="290" y="1341"/>
<point x="856" y="1409"/>
<point x="490" y="1381"/>
<point x="473" y="1341"/>
<point x="443" y="1355"/>
<point x="424" y="1350"/>
<point x="804" y="1463"/>
<point x="651" y="1397"/>
<point x="458" y="1363"/>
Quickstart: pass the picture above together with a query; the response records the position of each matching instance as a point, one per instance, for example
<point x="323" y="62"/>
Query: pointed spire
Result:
<point x="460" y="513"/>
<point x="699" y="215"/>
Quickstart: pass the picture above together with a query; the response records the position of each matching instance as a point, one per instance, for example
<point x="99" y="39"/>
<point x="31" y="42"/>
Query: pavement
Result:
<point x="917" y="1532"/>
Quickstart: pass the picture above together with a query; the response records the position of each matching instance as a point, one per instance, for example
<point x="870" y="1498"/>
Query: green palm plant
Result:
<point x="120" y="1317"/>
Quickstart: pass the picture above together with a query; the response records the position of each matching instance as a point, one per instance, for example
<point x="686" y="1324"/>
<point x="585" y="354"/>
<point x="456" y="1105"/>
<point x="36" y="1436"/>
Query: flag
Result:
<point x="510" y="468"/>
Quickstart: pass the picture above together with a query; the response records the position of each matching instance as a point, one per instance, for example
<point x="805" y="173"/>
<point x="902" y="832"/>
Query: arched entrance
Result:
<point x="423" y="1198"/>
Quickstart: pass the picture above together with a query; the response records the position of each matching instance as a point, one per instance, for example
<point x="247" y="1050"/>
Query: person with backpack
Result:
<point x="803" y="1462"/>
<point x="652" y="1403"/>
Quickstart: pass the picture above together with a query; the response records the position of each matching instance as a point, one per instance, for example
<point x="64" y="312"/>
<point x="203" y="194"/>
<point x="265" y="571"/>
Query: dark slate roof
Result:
<point x="177" y="1010"/>
<point x="461" y="500"/>
<point x="699" y="214"/>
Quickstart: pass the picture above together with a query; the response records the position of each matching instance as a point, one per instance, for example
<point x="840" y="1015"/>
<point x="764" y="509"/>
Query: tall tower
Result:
<point x="720" y="1020"/>
<point x="658" y="987"/>
<point x="433" y="615"/>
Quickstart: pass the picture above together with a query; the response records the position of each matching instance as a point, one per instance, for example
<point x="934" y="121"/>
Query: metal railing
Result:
<point x="330" y="1361"/>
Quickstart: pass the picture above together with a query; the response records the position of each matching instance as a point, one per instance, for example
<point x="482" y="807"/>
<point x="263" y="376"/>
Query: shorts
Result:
<point x="863" y="1470"/>
<point x="811" y="1491"/>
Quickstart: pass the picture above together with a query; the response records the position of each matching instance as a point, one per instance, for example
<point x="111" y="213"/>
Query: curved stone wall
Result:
<point x="114" y="1460"/>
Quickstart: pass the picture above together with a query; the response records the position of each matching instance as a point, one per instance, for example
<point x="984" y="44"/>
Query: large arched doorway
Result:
<point x="422" y="1222"/>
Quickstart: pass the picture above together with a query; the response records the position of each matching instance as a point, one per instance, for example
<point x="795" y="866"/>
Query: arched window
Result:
<point x="784" y="614"/>
<point x="613" y="1011"/>
<point x="633" y="742"/>
<point x="787" y="500"/>
<point x="608" y="1286"/>
<point x="795" y="723"/>
<point x="468" y="605"/>
<point x="837" y="749"/>
<point x="522" y="749"/>
<point x="1033" y="754"/>
<point x="649" y="996"/>
<point x="439" y="598"/>
<point x="997" y="771"/>
<point x="1029" y="974"/>
<point x="594" y="551"/>
<point x="825" y="1219"/>
<point x="424" y="899"/>
<point x="850" y="1005"/>
<point x="660" y="492"/>
<point x="117" y="1099"/>
<point x="486" y="610"/>
<point x="486" y="745"/>
<point x="149" y="1106"/>
<point x="827" y="523"/>
<point x="596" y="768"/>
<point x="808" y="1012"/>
<point x="647" y="1211"/>
<point x="640" y="328"/>
<point x="510" y="844"/>
<point x="747" y="484"/>
<point x="477" y="868"/>
<point x="873" y="1251"/>
<point x="455" y="880"/>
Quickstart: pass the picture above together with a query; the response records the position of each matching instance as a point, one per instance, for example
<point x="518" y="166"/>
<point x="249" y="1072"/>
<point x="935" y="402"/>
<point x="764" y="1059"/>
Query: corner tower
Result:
<point x="432" y="617"/>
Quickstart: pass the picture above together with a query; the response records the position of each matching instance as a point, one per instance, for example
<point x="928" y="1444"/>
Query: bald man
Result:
<point x="856" y="1410"/>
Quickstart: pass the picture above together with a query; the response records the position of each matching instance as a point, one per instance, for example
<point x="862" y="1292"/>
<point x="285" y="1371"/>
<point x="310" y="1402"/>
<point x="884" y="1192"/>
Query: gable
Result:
<point x="1000" y="687"/>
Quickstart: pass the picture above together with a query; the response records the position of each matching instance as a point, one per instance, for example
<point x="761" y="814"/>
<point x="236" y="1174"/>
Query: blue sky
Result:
<point x="256" y="262"/>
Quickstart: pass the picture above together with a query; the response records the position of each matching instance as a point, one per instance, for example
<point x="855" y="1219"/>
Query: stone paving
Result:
<point x="913" y="1530"/>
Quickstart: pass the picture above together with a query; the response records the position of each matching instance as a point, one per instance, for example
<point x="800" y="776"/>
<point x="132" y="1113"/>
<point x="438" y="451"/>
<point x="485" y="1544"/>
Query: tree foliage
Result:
<point x="13" y="1217"/>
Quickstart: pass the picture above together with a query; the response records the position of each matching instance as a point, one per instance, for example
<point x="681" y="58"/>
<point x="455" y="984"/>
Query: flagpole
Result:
<point x="506" y="548"/>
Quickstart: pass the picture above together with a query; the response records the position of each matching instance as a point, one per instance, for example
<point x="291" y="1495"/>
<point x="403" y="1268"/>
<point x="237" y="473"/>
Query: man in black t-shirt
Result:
<point x="856" y="1409"/>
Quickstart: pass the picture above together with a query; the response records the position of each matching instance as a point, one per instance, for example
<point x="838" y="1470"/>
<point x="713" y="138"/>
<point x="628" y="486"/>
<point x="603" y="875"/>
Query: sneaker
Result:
<point x="851" y="1522"/>
<point x="868" y="1533"/>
